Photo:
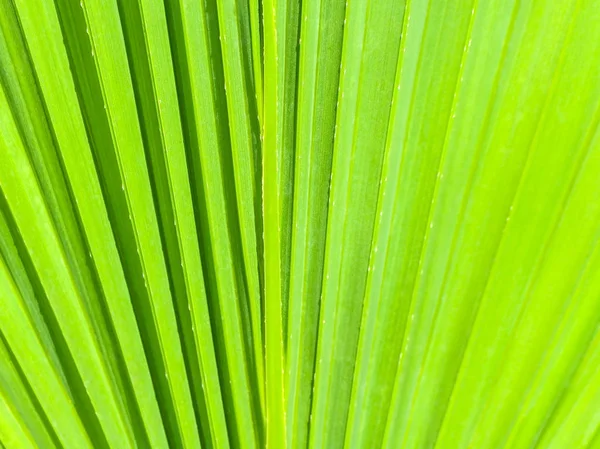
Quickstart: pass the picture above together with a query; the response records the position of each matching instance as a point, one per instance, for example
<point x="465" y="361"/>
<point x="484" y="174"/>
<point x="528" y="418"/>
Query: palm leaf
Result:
<point x="287" y="223"/>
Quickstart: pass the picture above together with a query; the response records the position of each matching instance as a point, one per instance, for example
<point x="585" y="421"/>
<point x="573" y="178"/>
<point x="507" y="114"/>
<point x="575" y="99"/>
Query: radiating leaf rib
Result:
<point x="543" y="297"/>
<point x="31" y="312"/>
<point x="576" y="420"/>
<point x="554" y="404"/>
<point x="551" y="297"/>
<point x="369" y="59"/>
<point x="540" y="192"/>
<point x="245" y="138"/>
<point x="281" y="59"/>
<point x="13" y="431"/>
<point x="257" y="60"/>
<point x="494" y="22"/>
<point x="272" y="217"/>
<point x="44" y="378"/>
<point x="39" y="236"/>
<point x="418" y="310"/>
<point x="18" y="78"/>
<point x="122" y="142"/>
<point x="72" y="17"/>
<point x="89" y="201"/>
<point x="146" y="30"/>
<point x="433" y="35"/>
<point x="21" y="278"/>
<point x="15" y="394"/>
<point x="23" y="95"/>
<point x="318" y="77"/>
<point x="567" y="347"/>
<point x="197" y="66"/>
<point x="287" y="40"/>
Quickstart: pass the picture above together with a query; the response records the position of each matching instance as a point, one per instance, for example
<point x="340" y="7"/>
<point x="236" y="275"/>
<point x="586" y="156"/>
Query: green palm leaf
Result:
<point x="290" y="224"/>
